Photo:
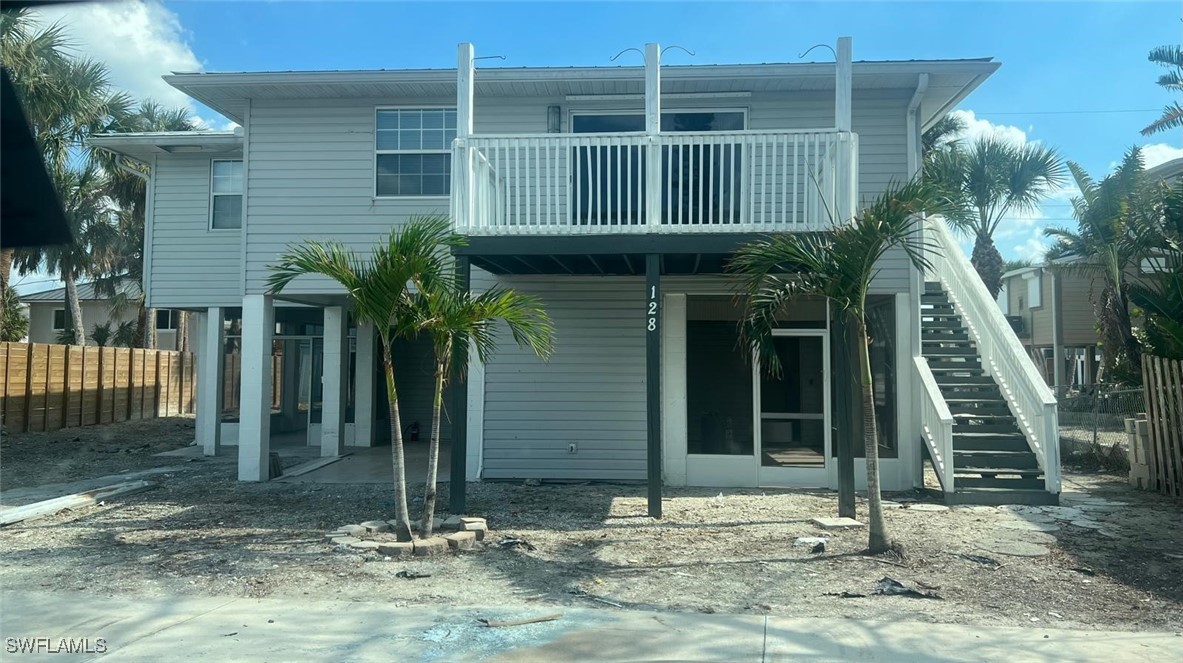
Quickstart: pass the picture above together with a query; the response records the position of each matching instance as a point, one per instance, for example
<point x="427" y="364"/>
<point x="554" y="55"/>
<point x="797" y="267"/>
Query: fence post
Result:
<point x="29" y="388"/>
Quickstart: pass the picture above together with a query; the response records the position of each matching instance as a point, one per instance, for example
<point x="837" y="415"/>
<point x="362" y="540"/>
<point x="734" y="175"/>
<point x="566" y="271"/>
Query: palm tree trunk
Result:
<point x="142" y="324"/>
<point x="150" y="329"/>
<point x="183" y="331"/>
<point x="5" y="270"/>
<point x="877" y="529"/>
<point x="75" y="324"/>
<point x="402" y="516"/>
<point x="988" y="262"/>
<point x="433" y="452"/>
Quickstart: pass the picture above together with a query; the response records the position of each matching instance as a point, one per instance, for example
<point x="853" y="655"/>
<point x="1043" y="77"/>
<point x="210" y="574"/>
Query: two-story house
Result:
<point x="1051" y="311"/>
<point x="617" y="195"/>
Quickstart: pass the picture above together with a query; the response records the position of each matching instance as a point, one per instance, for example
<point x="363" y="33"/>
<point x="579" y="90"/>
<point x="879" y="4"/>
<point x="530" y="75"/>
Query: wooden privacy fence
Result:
<point x="1162" y="382"/>
<point x="50" y="387"/>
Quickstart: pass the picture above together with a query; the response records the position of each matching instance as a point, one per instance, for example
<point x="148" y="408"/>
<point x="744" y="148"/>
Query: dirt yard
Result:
<point x="1110" y="557"/>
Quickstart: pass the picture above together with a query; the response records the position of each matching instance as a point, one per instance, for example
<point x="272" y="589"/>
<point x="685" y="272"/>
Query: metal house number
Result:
<point x="651" y="323"/>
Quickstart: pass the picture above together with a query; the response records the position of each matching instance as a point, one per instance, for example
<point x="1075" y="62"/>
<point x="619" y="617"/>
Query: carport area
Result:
<point x="374" y="465"/>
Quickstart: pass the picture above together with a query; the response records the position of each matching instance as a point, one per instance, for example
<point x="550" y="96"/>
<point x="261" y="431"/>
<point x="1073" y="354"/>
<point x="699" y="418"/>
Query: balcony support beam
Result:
<point x="842" y="84"/>
<point x="460" y="374"/>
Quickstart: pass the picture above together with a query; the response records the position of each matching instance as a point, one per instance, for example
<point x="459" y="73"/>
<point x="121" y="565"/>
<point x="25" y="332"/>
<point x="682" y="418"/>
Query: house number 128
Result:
<point x="651" y="323"/>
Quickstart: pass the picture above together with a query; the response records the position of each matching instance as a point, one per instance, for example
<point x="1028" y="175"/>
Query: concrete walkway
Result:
<point x="225" y="629"/>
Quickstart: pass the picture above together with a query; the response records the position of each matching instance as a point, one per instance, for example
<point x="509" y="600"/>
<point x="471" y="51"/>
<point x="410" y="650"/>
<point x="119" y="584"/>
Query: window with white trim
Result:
<point x="412" y="151"/>
<point x="1034" y="289"/>
<point x="225" y="194"/>
<point x="166" y="319"/>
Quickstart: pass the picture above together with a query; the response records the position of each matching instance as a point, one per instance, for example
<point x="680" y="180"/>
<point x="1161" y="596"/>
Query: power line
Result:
<point x="1072" y="112"/>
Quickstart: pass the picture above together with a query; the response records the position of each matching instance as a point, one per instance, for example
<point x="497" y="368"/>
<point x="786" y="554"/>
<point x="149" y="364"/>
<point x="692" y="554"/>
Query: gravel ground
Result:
<point x="1115" y="556"/>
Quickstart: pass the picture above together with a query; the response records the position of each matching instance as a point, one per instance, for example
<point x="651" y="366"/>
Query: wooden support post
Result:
<point x="29" y="387"/>
<point x="457" y="499"/>
<point x="653" y="378"/>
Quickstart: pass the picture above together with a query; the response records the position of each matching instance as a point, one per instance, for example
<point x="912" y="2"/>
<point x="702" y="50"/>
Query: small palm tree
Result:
<point x="378" y="290"/>
<point x="988" y="180"/>
<point x="1170" y="57"/>
<point x="102" y="334"/>
<point x="839" y="265"/>
<point x="1107" y="245"/>
<point x="454" y="319"/>
<point x="14" y="325"/>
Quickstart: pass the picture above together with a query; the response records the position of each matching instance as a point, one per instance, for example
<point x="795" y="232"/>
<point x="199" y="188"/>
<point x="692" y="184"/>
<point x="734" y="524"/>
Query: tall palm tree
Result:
<point x="944" y="135"/>
<point x="65" y="99"/>
<point x="378" y="291"/>
<point x="453" y="318"/>
<point x="89" y="214"/>
<point x="839" y="265"/>
<point x="1107" y="245"/>
<point x="988" y="180"/>
<point x="1170" y="57"/>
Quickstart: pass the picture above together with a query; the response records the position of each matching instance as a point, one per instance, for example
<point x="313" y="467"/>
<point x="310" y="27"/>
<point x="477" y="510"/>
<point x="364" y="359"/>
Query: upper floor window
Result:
<point x="1034" y="289"/>
<point x="225" y="194"/>
<point x="413" y="151"/>
<point x="59" y="319"/>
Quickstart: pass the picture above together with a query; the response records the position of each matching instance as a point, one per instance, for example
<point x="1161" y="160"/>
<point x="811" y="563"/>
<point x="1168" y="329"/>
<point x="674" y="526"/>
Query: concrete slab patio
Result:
<point x="175" y="628"/>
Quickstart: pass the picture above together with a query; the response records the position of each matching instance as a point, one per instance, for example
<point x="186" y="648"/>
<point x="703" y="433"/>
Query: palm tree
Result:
<point x="1108" y="245"/>
<point x="988" y="180"/>
<point x="13" y="323"/>
<point x="378" y="290"/>
<point x="1170" y="57"/>
<point x="839" y="265"/>
<point x="944" y="135"/>
<point x="453" y="318"/>
<point x="88" y="213"/>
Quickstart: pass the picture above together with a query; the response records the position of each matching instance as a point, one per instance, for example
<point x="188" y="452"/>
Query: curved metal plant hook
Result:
<point x="681" y="48"/>
<point x="613" y="58"/>
<point x="801" y="55"/>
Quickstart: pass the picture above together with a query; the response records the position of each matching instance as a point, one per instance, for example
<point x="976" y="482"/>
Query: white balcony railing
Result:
<point x="936" y="423"/>
<point x="559" y="184"/>
<point x="1030" y="399"/>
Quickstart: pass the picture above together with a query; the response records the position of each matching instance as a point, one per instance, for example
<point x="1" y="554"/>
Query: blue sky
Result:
<point x="1058" y="58"/>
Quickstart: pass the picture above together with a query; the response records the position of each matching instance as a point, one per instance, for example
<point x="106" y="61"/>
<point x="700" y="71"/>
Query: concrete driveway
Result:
<point x="227" y="629"/>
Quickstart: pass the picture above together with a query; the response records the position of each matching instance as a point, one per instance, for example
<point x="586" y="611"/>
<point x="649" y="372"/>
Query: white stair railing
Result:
<point x="1030" y="399"/>
<point x="936" y="422"/>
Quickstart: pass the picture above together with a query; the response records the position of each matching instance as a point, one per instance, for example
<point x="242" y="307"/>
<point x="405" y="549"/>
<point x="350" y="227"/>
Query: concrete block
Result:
<point x="364" y="546"/>
<point x="837" y="523"/>
<point x="452" y="524"/>
<point x="344" y="540"/>
<point x="396" y="548"/>
<point x="376" y="526"/>
<point x="461" y="540"/>
<point x="352" y="530"/>
<point x="436" y="545"/>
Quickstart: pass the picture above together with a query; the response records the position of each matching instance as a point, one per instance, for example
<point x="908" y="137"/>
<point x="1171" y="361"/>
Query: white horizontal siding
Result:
<point x="591" y="393"/>
<point x="191" y="266"/>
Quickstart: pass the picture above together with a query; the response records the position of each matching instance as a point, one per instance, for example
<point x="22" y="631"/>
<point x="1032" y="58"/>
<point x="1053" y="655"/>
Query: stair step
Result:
<point x="984" y="405"/>
<point x="984" y="428"/>
<point x="989" y="442"/>
<point x="966" y="461"/>
<point x="943" y="325"/>
<point x="944" y="335"/>
<point x="933" y="286"/>
<point x="997" y="496"/>
<point x="942" y="304"/>
<point x="946" y="381"/>
<point x="927" y="316"/>
<point x="954" y="362"/>
<point x="951" y="348"/>
<point x="1023" y="483"/>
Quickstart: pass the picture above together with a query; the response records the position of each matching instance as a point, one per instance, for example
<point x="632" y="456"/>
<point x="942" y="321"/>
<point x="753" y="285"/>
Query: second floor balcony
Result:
<point x="669" y="182"/>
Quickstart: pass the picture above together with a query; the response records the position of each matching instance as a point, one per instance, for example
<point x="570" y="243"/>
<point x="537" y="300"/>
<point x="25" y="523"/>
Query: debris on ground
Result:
<point x="515" y="542"/>
<point x="518" y="622"/>
<point x="979" y="559"/>
<point x="889" y="586"/>
<point x="411" y="575"/>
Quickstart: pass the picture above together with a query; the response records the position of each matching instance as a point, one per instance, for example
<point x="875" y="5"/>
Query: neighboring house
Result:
<point x="617" y="195"/>
<point x="1051" y="311"/>
<point x="47" y="314"/>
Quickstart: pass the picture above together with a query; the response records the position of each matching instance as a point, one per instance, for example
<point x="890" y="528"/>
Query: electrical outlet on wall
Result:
<point x="571" y="448"/>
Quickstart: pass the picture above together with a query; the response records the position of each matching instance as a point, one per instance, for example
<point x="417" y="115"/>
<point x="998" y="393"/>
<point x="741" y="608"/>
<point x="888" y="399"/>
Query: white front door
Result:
<point x="792" y="411"/>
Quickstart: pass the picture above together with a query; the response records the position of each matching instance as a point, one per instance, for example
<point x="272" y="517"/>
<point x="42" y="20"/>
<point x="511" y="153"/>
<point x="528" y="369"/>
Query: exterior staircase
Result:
<point x="992" y="462"/>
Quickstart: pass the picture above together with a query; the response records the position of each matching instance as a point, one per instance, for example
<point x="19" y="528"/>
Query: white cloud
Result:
<point x="1158" y="153"/>
<point x="138" y="40"/>
<point x="976" y="128"/>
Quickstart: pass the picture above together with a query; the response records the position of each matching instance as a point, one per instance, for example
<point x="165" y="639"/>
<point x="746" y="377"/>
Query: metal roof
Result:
<point x="86" y="292"/>
<point x="227" y="93"/>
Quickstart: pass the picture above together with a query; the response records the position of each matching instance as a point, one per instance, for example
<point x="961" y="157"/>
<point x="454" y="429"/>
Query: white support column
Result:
<point x="363" y="387"/>
<point x="335" y="381"/>
<point x="842" y="84"/>
<point x="209" y="380"/>
<point x="463" y="201"/>
<point x="254" y="429"/>
<point x="652" y="129"/>
<point x="1057" y="331"/>
<point x="476" y="418"/>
